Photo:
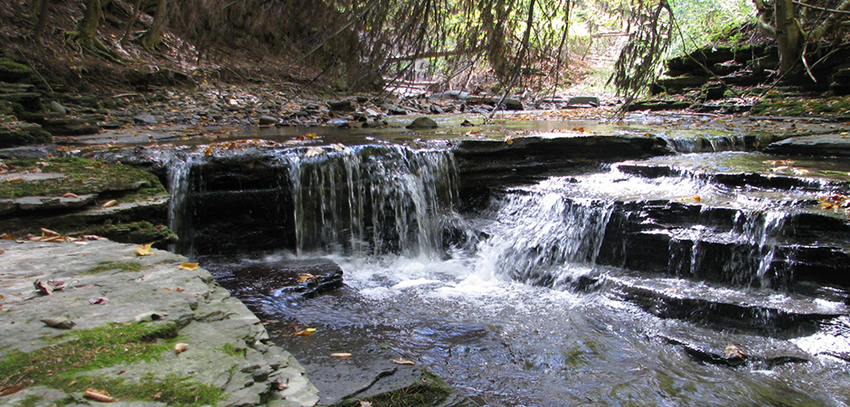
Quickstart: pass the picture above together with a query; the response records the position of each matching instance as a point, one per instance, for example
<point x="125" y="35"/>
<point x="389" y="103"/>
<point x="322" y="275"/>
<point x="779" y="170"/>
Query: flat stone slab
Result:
<point x="827" y="145"/>
<point x="29" y="176"/>
<point x="209" y="319"/>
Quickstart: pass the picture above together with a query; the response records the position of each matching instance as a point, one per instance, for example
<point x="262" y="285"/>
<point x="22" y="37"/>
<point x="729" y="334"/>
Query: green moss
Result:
<point x="61" y="365"/>
<point x="130" y="267"/>
<point x="82" y="176"/>
<point x="31" y="400"/>
<point x="133" y="232"/>
<point x="777" y="105"/>
<point x="429" y="391"/>
<point x="412" y="396"/>
<point x="26" y="135"/>
<point x="231" y="350"/>
<point x="11" y="71"/>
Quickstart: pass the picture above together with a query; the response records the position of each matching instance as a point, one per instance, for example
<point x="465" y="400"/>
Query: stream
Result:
<point x="697" y="278"/>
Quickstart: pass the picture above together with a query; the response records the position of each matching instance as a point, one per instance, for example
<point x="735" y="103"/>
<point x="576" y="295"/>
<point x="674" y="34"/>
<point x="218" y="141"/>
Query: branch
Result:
<point x="828" y="24"/>
<point x="518" y="67"/>
<point x="831" y="10"/>
<point x="435" y="54"/>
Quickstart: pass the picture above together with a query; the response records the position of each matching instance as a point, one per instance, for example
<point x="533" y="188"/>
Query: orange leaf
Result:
<point x="306" y="277"/>
<point x="188" y="266"/>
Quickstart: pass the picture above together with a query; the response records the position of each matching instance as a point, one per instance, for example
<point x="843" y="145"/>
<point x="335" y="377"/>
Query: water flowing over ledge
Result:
<point x="441" y="248"/>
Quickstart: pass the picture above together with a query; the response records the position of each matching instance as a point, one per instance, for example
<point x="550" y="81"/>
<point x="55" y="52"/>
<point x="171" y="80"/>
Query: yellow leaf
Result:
<point x="109" y="203"/>
<point x="145" y="249"/>
<point x="341" y="355"/>
<point x="697" y="198"/>
<point x="188" y="266"/>
<point x="305" y="332"/>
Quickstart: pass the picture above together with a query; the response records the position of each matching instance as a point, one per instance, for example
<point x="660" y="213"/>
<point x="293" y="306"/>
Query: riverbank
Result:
<point x="92" y="298"/>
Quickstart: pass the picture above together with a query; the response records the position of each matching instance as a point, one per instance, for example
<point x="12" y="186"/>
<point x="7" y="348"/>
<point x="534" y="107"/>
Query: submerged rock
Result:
<point x="283" y="278"/>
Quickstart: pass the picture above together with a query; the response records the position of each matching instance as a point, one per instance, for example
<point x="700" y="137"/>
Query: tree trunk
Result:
<point x="789" y="36"/>
<point x="91" y="20"/>
<point x="137" y="11"/>
<point x="43" y="8"/>
<point x="153" y="36"/>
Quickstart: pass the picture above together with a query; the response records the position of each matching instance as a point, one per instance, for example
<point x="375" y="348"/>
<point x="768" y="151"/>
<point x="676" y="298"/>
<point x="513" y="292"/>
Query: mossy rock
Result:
<point x="11" y="71"/>
<point x="135" y="232"/>
<point x="24" y="135"/>
<point x="81" y="176"/>
<point x="832" y="106"/>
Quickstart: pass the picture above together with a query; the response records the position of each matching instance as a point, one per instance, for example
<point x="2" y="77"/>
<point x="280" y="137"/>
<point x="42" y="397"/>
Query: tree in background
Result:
<point x="785" y="23"/>
<point x="153" y="36"/>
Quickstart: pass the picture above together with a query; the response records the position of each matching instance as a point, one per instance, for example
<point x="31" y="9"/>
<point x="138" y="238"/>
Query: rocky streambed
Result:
<point x="411" y="215"/>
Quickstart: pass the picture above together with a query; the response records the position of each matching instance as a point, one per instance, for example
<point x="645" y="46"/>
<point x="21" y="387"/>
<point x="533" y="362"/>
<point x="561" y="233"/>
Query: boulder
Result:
<point x="267" y="121"/>
<point x="146" y="119"/>
<point x="422" y="123"/>
<point x="393" y="109"/>
<point x="341" y="106"/>
<point x="576" y="101"/>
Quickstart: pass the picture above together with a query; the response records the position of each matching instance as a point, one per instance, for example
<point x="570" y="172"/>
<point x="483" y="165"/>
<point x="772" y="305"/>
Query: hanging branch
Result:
<point x="636" y="66"/>
<point x="520" y="60"/>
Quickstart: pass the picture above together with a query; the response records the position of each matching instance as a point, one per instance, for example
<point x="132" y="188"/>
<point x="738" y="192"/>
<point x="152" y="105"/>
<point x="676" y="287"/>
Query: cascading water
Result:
<point x="541" y="236"/>
<point x="180" y="188"/>
<point x="370" y="200"/>
<point x="486" y="318"/>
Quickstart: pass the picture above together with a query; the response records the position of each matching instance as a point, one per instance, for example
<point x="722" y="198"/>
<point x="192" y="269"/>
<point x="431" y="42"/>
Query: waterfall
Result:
<point x="372" y="200"/>
<point x="541" y="236"/>
<point x="180" y="189"/>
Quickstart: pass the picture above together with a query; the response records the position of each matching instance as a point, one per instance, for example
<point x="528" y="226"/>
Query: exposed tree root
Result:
<point x="81" y="43"/>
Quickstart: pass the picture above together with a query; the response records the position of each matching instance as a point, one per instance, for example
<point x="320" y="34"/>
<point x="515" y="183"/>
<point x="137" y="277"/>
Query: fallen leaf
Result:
<point x="70" y="195"/>
<point x="314" y="151"/>
<point x="697" y="198"/>
<point x="734" y="352"/>
<point x="188" y="266"/>
<point x="180" y="347"/>
<point x="401" y="361"/>
<point x="11" y="390"/>
<point x="99" y="395"/>
<point x="145" y="249"/>
<point x="341" y="355"/>
<point x="59" y="322"/>
<point x="2" y="252"/>
<point x="109" y="203"/>
<point x="365" y="404"/>
<point x="307" y="277"/>
<point x="47" y="233"/>
<point x="305" y="332"/>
